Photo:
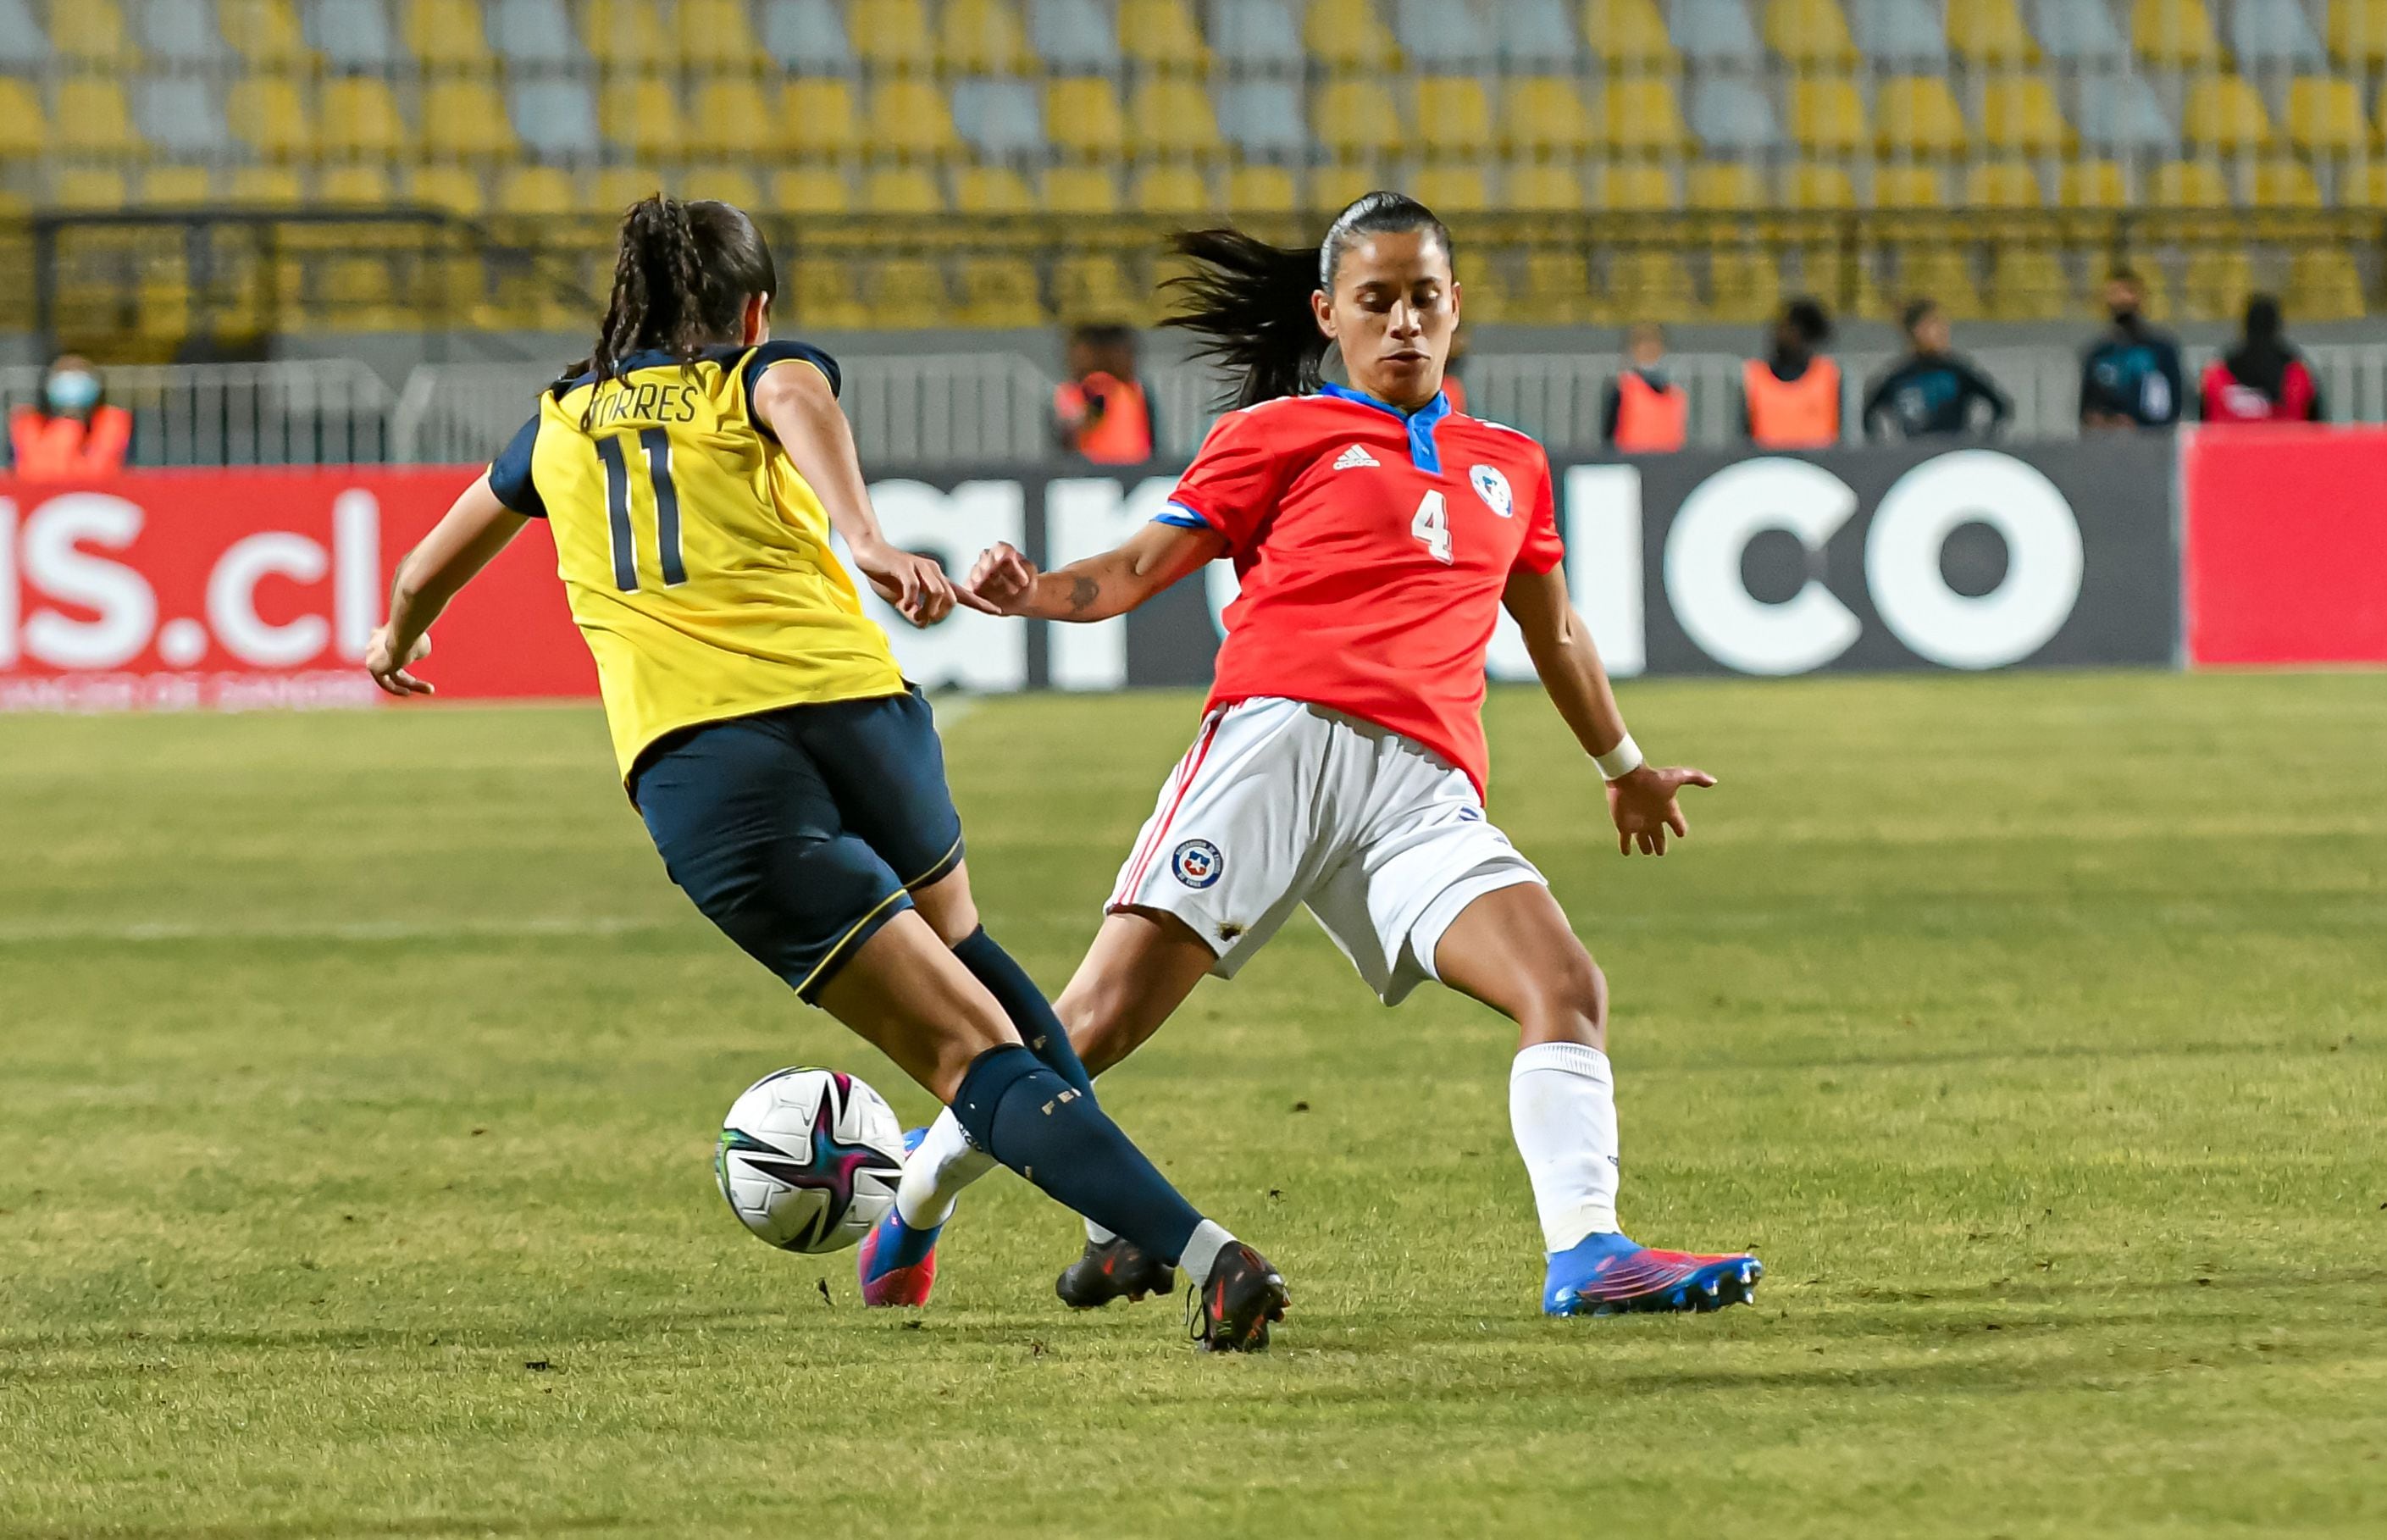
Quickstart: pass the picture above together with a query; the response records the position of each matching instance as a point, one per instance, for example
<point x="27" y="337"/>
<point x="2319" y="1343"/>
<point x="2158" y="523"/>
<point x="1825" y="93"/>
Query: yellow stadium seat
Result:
<point x="535" y="191"/>
<point x="819" y="118"/>
<point x="360" y="117"/>
<point x="821" y="291"/>
<point x="810" y="190"/>
<point x="1168" y="114"/>
<point x="2215" y="284"/>
<point x="266" y="33"/>
<point x="92" y="119"/>
<point x="23" y="130"/>
<point x="1649" y="285"/>
<point x="1262" y="190"/>
<point x="1909" y="188"/>
<point x="1811" y="186"/>
<point x="1989" y="32"/>
<point x="1544" y="115"/>
<point x="1644" y="114"/>
<point x="717" y="35"/>
<point x="1556" y="289"/>
<point x="902" y="190"/>
<point x="2285" y="185"/>
<point x="1629" y="34"/>
<point x="2357" y="32"/>
<point x="1080" y="190"/>
<point x="731" y="120"/>
<point x="891" y="34"/>
<point x="1637" y="189"/>
<point x="88" y="187"/>
<point x="1449" y="190"/>
<point x="463" y="119"/>
<point x="982" y="37"/>
<point x="641" y="115"/>
<point x="88" y="32"/>
<point x="447" y="35"/>
<point x="1743" y="285"/>
<point x="909" y="117"/>
<point x="1346" y="34"/>
<point x="1161" y="35"/>
<point x="1813" y="33"/>
<point x="363" y="184"/>
<point x="187" y="187"/>
<point x="2324" y="285"/>
<point x="1842" y="280"/>
<point x="2019" y="115"/>
<point x="2325" y="116"/>
<point x="1092" y="288"/>
<point x="1454" y="117"/>
<point x="615" y="188"/>
<point x="731" y="185"/>
<point x="1944" y="275"/>
<point x="1826" y="115"/>
<point x="264" y="186"/>
<point x="1179" y="190"/>
<point x="907" y="294"/>
<point x="1357" y="117"/>
<point x="2174" y="33"/>
<point x="2027" y="282"/>
<point x="458" y="189"/>
<point x="1333" y="188"/>
<point x="1544" y="187"/>
<point x="2225" y="113"/>
<point x="2003" y="185"/>
<point x="2189" y="184"/>
<point x="627" y="34"/>
<point x="991" y="189"/>
<point x="2093" y="184"/>
<point x="1081" y="117"/>
<point x="999" y="292"/>
<point x="1917" y="115"/>
<point x="2363" y="186"/>
<point x="1726" y="186"/>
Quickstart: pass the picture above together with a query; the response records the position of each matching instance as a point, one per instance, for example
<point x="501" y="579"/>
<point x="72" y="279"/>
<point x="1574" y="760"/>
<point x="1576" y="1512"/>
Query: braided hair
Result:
<point x="680" y="285"/>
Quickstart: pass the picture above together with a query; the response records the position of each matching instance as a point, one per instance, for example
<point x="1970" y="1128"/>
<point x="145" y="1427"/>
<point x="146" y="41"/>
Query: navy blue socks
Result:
<point x="1025" y="1004"/>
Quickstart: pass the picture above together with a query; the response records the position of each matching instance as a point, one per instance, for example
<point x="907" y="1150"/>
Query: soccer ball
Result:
<point x="809" y="1159"/>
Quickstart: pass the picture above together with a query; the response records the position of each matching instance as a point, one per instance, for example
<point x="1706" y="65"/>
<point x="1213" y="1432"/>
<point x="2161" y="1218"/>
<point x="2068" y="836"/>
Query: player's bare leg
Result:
<point x="1513" y="950"/>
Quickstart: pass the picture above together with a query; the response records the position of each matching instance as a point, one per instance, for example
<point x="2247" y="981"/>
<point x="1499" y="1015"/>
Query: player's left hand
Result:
<point x="1644" y="808"/>
<point x="1004" y="580"/>
<point x="389" y="670"/>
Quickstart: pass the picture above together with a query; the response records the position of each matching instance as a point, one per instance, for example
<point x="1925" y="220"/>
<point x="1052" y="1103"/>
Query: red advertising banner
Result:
<point x="232" y="590"/>
<point x="2285" y="545"/>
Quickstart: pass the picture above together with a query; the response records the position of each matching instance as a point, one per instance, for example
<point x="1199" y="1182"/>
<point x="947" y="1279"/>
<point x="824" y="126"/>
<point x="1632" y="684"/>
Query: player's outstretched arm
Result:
<point x="466" y="539"/>
<point x="795" y="402"/>
<point x="1099" y="586"/>
<point x="1641" y="798"/>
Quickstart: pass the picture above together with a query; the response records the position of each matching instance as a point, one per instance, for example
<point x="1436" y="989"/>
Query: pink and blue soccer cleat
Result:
<point x="897" y="1263"/>
<point x="1607" y="1275"/>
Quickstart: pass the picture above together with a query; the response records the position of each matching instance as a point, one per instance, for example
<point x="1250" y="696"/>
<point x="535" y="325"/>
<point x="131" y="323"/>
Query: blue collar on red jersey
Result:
<point x="1422" y="454"/>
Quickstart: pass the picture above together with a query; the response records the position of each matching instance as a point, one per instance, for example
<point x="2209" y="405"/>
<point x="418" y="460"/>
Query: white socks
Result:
<point x="935" y="1174"/>
<point x="1562" y="1109"/>
<point x="1202" y="1252"/>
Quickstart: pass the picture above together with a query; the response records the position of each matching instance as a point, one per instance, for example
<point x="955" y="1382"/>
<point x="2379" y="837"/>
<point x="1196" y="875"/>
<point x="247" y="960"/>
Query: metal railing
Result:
<point x="333" y="411"/>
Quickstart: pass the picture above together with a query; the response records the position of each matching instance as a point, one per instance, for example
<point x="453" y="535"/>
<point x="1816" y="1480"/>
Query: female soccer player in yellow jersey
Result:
<point x="692" y="470"/>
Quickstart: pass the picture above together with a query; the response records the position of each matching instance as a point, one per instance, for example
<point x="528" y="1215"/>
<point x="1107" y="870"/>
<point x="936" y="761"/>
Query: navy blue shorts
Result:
<point x="801" y="832"/>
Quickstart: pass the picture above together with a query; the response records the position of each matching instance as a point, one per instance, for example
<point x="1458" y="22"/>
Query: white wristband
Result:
<point x="1620" y="761"/>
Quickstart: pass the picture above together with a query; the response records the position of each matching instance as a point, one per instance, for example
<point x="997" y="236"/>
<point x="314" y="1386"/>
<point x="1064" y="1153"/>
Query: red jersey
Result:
<point x="1373" y="546"/>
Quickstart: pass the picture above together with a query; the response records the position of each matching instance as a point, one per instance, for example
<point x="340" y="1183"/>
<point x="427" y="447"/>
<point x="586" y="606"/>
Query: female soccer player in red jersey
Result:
<point x="1341" y="763"/>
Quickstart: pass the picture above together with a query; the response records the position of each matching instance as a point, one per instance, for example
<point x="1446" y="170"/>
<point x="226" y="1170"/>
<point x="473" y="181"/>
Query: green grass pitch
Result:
<point x="359" y="1075"/>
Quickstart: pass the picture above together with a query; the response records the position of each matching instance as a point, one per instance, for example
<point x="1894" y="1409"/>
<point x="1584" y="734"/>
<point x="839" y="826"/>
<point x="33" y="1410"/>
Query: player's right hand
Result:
<point x="915" y="584"/>
<point x="1644" y="808"/>
<point x="1004" y="579"/>
<point x="389" y="670"/>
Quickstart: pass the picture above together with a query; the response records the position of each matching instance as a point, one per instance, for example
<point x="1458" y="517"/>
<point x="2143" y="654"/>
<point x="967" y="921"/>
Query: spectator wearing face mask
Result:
<point x="73" y="433"/>
<point x="2263" y="380"/>
<point x="2131" y="377"/>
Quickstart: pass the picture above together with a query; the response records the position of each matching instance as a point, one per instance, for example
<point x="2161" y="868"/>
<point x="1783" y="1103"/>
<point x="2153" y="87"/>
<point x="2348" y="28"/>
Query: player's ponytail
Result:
<point x="680" y="285"/>
<point x="1250" y="301"/>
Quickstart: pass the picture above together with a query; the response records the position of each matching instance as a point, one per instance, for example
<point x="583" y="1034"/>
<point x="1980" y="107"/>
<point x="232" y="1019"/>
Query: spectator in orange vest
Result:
<point x="1101" y="412"/>
<point x="1646" y="413"/>
<point x="2263" y="379"/>
<point x="73" y="433"/>
<point x="1790" y="400"/>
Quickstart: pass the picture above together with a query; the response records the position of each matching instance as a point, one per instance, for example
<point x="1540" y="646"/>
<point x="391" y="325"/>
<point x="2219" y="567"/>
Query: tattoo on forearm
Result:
<point x="1083" y="591"/>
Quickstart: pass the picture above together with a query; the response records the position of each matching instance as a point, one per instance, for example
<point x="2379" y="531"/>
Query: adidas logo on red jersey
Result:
<point x="1355" y="456"/>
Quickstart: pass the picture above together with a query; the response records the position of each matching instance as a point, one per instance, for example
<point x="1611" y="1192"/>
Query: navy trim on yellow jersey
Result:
<point x="509" y="473"/>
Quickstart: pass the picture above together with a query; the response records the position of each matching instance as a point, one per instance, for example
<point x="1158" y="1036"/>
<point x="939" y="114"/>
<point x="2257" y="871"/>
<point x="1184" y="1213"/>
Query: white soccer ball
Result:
<point x="809" y="1159"/>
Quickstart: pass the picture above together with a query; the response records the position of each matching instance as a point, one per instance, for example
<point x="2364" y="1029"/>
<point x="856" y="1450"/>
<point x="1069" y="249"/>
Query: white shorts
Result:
<point x="1280" y="803"/>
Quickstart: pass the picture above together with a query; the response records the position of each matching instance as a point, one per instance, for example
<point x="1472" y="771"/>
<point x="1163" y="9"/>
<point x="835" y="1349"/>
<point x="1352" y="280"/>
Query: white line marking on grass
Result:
<point x="344" y="930"/>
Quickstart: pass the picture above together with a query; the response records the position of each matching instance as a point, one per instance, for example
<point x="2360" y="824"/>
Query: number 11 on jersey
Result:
<point x="656" y="445"/>
<point x="1433" y="526"/>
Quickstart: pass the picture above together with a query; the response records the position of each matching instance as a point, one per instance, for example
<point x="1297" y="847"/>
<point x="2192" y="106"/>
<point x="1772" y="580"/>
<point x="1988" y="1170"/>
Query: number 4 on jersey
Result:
<point x="1433" y="526"/>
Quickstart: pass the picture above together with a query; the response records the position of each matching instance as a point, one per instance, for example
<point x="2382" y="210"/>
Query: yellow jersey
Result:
<point x="695" y="556"/>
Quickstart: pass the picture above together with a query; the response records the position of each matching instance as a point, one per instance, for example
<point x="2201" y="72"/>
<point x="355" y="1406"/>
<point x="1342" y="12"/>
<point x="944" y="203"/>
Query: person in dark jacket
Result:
<point x="2263" y="380"/>
<point x="1932" y="392"/>
<point x="2132" y="376"/>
